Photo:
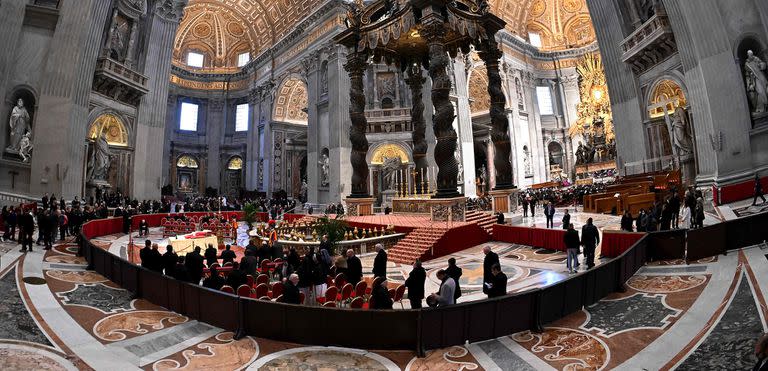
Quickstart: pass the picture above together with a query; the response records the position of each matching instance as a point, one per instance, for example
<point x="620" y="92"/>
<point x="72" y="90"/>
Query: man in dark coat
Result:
<point x="211" y="255"/>
<point x="380" y="262"/>
<point x="169" y="260"/>
<point x="415" y="284"/>
<point x="354" y="268"/>
<point x="590" y="237"/>
<point x="194" y="263"/>
<point x="180" y="272"/>
<point x="490" y="259"/>
<point x="380" y="296"/>
<point x="27" y="224"/>
<point x="144" y="255"/>
<point x="325" y="244"/>
<point x="498" y="285"/>
<point x="571" y="241"/>
<point x="155" y="259"/>
<point x="143" y="228"/>
<point x="453" y="271"/>
<point x="549" y="213"/>
<point x="236" y="277"/>
<point x="214" y="281"/>
<point x="228" y="256"/>
<point x="291" y="293"/>
<point x="525" y="207"/>
<point x="566" y="219"/>
<point x="758" y="191"/>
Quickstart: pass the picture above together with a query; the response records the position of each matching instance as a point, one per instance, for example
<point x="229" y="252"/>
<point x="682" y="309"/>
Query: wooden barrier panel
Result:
<point x="706" y="242"/>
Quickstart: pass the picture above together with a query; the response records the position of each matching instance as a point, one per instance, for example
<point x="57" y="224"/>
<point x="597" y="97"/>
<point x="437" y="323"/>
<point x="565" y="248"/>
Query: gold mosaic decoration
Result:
<point x="389" y="151"/>
<point x="292" y="101"/>
<point x="667" y="95"/>
<point x="595" y="102"/>
<point x="235" y="163"/>
<point x="187" y="162"/>
<point x="112" y="126"/>
<point x="479" y="99"/>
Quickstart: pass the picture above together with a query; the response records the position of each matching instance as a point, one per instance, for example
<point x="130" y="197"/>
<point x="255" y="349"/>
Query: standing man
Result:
<point x="674" y="205"/>
<point x="525" y="207"/>
<point x="758" y="191"/>
<point x="590" y="237"/>
<point x="571" y="240"/>
<point x="194" y="263"/>
<point x="454" y="272"/>
<point x="144" y="255"/>
<point x="490" y="259"/>
<point x="415" y="284"/>
<point x="211" y="255"/>
<point x="549" y="212"/>
<point x="566" y="220"/>
<point x="447" y="287"/>
<point x="354" y="268"/>
<point x="169" y="260"/>
<point x="498" y="286"/>
<point x="62" y="224"/>
<point x="380" y="262"/>
<point x="27" y="225"/>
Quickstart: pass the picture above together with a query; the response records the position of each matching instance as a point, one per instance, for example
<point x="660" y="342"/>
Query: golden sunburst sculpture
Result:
<point x="595" y="104"/>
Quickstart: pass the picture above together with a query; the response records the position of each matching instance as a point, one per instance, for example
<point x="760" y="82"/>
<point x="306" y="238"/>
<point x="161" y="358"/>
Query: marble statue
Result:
<point x="580" y="154"/>
<point x="483" y="175"/>
<point x="304" y="189"/>
<point x="19" y="125"/>
<point x="390" y="168"/>
<point x="527" y="162"/>
<point x="460" y="176"/>
<point x="325" y="164"/>
<point x="100" y="160"/>
<point x="25" y="147"/>
<point x="681" y="138"/>
<point x="757" y="83"/>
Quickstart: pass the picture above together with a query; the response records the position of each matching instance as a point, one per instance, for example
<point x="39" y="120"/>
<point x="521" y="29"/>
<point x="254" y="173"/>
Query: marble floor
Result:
<point x="702" y="316"/>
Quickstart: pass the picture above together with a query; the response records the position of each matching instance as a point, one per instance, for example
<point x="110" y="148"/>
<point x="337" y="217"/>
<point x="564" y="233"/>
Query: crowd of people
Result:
<point x="531" y="198"/>
<point x="672" y="213"/>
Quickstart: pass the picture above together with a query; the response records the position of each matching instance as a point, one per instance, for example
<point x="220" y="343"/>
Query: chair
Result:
<point x="279" y="299"/>
<point x="360" y="289"/>
<point x="346" y="293"/>
<point x="329" y="281"/>
<point x="339" y="281"/>
<point x="228" y="289"/>
<point x="228" y="264"/>
<point x="277" y="289"/>
<point x="376" y="281"/>
<point x="265" y="265"/>
<point x="244" y="290"/>
<point x="301" y="298"/>
<point x="330" y="295"/>
<point x="399" y="294"/>
<point x="392" y="293"/>
<point x="331" y="304"/>
<point x="262" y="290"/>
<point x="262" y="278"/>
<point x="357" y="303"/>
<point x="249" y="279"/>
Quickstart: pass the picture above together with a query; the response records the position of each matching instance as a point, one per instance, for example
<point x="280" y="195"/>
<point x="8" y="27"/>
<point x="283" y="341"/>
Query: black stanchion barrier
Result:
<point x="666" y="245"/>
<point x="748" y="231"/>
<point x="706" y="242"/>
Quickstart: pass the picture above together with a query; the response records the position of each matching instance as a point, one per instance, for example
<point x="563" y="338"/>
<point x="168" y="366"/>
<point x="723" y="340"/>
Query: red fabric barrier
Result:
<point x="614" y="243"/>
<point x="551" y="239"/>
<point x="102" y="227"/>
<point x="736" y="192"/>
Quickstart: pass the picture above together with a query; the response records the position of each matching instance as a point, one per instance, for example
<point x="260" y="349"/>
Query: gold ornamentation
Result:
<point x="479" y="100"/>
<point x="389" y="151"/>
<point x="292" y="101"/>
<point x="572" y="6"/>
<point x="667" y="95"/>
<point x="538" y="8"/>
<point x="235" y="163"/>
<point x="187" y="162"/>
<point x="595" y="103"/>
<point x="112" y="126"/>
<point x="117" y="326"/>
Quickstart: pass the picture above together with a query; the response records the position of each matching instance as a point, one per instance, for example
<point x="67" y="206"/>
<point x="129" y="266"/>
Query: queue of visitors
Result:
<point x="673" y="213"/>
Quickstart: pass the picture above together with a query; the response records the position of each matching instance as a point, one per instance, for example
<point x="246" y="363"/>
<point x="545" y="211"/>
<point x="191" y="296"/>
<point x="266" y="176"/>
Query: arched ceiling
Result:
<point x="222" y="29"/>
<point x="562" y="24"/>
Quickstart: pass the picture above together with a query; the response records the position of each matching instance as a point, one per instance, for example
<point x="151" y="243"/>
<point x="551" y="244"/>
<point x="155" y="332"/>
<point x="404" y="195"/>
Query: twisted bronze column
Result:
<point x="416" y="83"/>
<point x="355" y="66"/>
<point x="502" y="164"/>
<point x="442" y="120"/>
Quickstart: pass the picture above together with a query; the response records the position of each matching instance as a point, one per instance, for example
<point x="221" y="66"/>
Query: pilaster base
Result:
<point x="359" y="206"/>
<point x="504" y="200"/>
<point x="448" y="209"/>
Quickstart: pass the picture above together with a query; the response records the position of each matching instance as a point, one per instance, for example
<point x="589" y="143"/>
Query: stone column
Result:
<point x="337" y="119"/>
<point x="214" y="120"/>
<point x="11" y="17"/>
<point x="310" y="72"/>
<point x="500" y="126"/>
<point x="415" y="82"/>
<point x="442" y="121"/>
<point x="355" y="66"/>
<point x="464" y="124"/>
<point x="252" y="143"/>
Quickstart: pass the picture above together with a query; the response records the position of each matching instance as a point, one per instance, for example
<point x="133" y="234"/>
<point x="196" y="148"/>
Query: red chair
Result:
<point x="262" y="290"/>
<point x="249" y="279"/>
<point x="392" y="293"/>
<point x="330" y="295"/>
<point x="329" y="281"/>
<point x="346" y="293"/>
<point x="360" y="289"/>
<point x="163" y="220"/>
<point x="244" y="290"/>
<point x="399" y="294"/>
<point x="277" y="289"/>
<point x="357" y="303"/>
<point x="228" y="289"/>
<point x="265" y="265"/>
<point x="340" y="281"/>
<point x="262" y="278"/>
<point x="228" y="264"/>
<point x="167" y="229"/>
<point x="330" y="304"/>
<point x="301" y="298"/>
<point x="376" y="281"/>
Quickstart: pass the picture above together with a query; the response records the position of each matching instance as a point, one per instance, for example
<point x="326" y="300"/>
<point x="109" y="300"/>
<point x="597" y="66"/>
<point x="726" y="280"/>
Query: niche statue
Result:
<point x="100" y="159"/>
<point x="681" y="136"/>
<point x="19" y="126"/>
<point x="757" y="83"/>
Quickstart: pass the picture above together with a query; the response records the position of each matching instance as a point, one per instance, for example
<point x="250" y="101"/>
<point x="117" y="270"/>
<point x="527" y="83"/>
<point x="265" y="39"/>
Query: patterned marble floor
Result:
<point x="706" y="315"/>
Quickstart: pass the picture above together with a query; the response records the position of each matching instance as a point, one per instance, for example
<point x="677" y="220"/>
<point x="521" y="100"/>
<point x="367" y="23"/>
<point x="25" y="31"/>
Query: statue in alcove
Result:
<point x="100" y="160"/>
<point x="325" y="166"/>
<point x="389" y="169"/>
<point x="681" y="137"/>
<point x="19" y="126"/>
<point x="25" y="147"/>
<point x="757" y="82"/>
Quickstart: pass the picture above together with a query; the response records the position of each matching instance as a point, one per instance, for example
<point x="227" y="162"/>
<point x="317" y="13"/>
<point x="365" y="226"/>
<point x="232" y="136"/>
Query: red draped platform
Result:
<point x="614" y="243"/>
<point x="551" y="239"/>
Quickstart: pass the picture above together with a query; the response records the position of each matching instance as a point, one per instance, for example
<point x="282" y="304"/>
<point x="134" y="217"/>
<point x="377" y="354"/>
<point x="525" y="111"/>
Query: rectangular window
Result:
<point x="535" y="39"/>
<point x="241" y="117"/>
<point x="243" y="59"/>
<point x="188" y="119"/>
<point x="195" y="59"/>
<point x="544" y="98"/>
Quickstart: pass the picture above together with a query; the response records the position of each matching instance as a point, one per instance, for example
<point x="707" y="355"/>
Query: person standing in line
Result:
<point x="571" y="241"/>
<point x="590" y="238"/>
<point x="498" y="286"/>
<point x="566" y="219"/>
<point x="415" y="284"/>
<point x="758" y="191"/>
<point x="674" y="205"/>
<point x="380" y="262"/>
<point x="169" y="260"/>
<point x="354" y="268"/>
<point x="447" y="288"/>
<point x="490" y="259"/>
<point x="525" y="207"/>
<point x="454" y="272"/>
<point x="549" y="213"/>
<point x="626" y="221"/>
<point x="27" y="226"/>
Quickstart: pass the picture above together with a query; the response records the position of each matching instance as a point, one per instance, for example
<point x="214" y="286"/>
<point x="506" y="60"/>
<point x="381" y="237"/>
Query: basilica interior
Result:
<point x="429" y="128"/>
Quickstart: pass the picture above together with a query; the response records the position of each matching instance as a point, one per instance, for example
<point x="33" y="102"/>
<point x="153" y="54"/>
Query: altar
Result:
<point x="184" y="244"/>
